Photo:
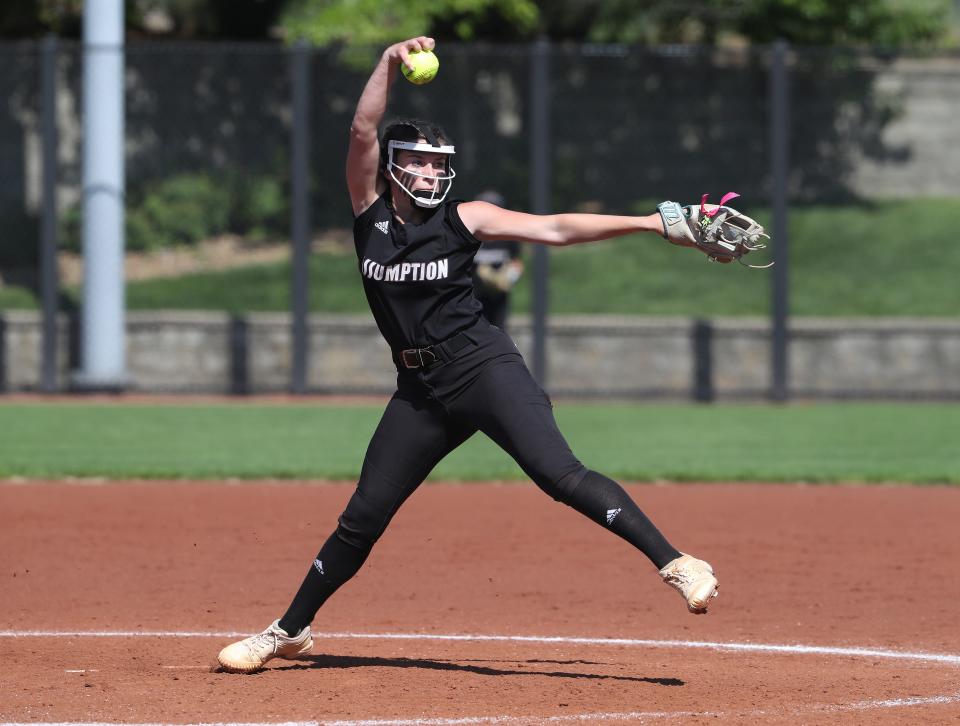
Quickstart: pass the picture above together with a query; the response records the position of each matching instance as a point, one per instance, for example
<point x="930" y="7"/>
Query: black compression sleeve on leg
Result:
<point x="606" y="503"/>
<point x="336" y="563"/>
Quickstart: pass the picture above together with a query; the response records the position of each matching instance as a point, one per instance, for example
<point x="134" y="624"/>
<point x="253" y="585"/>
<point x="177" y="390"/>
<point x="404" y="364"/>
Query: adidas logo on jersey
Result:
<point x="383" y="226"/>
<point x="612" y="515"/>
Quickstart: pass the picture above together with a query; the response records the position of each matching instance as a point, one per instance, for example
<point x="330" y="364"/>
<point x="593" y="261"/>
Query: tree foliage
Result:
<point x="373" y="22"/>
<point x="845" y="22"/>
<point x="803" y="22"/>
<point x="184" y="19"/>
<point x="890" y="23"/>
<point x="27" y="18"/>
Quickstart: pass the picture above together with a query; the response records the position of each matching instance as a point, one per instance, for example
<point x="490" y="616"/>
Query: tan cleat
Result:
<point x="251" y="654"/>
<point x="692" y="578"/>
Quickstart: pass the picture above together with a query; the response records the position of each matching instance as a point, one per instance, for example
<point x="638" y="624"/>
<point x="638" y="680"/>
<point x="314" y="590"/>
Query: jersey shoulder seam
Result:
<point x="369" y="211"/>
<point x="454" y="216"/>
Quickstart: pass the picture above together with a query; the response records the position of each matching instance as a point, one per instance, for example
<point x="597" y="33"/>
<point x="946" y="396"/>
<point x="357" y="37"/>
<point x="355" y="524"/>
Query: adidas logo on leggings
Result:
<point x="612" y="515"/>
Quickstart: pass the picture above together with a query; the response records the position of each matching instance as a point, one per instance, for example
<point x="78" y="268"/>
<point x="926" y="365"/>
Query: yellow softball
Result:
<point x="425" y="65"/>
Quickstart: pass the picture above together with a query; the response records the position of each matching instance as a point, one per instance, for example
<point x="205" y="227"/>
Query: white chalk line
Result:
<point x="635" y="716"/>
<point x="565" y="718"/>
<point x="947" y="658"/>
<point x="650" y="715"/>
<point x="875" y="653"/>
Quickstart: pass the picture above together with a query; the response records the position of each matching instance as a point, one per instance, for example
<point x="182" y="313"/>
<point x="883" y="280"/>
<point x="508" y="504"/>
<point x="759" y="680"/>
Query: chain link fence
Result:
<point x="629" y="125"/>
<point x="208" y="139"/>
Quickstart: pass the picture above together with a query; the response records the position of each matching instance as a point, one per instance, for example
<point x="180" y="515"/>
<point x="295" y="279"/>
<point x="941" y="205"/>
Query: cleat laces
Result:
<point x="263" y="640"/>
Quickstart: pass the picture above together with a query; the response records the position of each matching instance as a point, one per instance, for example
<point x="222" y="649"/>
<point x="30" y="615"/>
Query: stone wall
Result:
<point x="602" y="356"/>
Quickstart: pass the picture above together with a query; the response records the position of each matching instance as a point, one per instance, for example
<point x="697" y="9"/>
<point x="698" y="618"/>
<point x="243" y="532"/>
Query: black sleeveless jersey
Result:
<point x="417" y="276"/>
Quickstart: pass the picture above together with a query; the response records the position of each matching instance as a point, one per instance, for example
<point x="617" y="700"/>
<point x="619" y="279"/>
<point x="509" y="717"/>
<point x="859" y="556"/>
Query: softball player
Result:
<point x="456" y="373"/>
<point x="496" y="269"/>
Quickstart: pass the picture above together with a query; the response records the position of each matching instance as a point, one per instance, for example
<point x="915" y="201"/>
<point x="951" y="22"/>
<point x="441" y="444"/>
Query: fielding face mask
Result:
<point x="426" y="198"/>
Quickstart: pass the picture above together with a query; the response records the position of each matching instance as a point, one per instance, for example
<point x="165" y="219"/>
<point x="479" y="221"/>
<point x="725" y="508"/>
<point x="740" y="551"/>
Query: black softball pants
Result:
<point x="417" y="431"/>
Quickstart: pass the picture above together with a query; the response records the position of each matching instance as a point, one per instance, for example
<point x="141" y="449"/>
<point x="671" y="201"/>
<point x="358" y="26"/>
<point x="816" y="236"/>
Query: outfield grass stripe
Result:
<point x="866" y="442"/>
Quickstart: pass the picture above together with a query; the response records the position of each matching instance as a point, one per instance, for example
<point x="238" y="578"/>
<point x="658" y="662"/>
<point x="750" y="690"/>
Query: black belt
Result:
<point x="414" y="358"/>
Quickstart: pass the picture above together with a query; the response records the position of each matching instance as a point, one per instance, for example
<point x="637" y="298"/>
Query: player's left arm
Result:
<point x="488" y="222"/>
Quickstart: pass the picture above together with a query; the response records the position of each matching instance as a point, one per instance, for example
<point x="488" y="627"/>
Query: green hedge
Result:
<point x="185" y="209"/>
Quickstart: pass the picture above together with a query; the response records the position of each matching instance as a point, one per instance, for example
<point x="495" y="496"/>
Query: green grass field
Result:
<point x="812" y="443"/>
<point x="892" y="258"/>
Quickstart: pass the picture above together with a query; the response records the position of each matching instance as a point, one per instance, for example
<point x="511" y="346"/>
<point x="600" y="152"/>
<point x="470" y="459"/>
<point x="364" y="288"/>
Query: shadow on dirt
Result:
<point x="347" y="661"/>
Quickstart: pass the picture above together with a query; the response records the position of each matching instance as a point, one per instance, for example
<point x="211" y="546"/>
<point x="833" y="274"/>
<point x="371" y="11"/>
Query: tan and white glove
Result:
<point x="722" y="233"/>
<point x="501" y="278"/>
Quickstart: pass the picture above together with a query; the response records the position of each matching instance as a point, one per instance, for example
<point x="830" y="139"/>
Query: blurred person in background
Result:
<point x="496" y="269"/>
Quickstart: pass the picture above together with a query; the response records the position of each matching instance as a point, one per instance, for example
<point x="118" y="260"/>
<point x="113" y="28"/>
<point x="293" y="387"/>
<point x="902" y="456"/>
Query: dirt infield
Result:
<point x="116" y="598"/>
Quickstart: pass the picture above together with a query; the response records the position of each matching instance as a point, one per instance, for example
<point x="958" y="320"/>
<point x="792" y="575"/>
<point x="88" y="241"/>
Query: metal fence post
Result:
<point x="300" y="214"/>
<point x="48" y="221"/>
<point x="239" y="349"/>
<point x="703" y="361"/>
<point x="780" y="168"/>
<point x="3" y="353"/>
<point x="540" y="195"/>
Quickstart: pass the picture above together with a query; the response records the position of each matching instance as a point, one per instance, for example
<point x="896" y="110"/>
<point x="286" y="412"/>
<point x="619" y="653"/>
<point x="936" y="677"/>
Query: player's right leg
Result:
<point x="412" y="437"/>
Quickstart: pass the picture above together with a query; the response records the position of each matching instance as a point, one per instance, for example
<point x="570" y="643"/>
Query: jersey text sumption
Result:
<point x="406" y="271"/>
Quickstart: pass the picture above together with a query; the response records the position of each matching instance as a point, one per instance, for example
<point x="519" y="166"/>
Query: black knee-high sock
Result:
<point x="336" y="563"/>
<point x="606" y="503"/>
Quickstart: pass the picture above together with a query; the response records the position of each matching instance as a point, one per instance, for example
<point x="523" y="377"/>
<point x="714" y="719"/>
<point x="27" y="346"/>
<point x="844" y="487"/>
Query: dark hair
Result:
<point x="410" y="129"/>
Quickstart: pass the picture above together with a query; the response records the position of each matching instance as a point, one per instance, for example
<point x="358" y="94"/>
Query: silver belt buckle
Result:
<point x="411" y="358"/>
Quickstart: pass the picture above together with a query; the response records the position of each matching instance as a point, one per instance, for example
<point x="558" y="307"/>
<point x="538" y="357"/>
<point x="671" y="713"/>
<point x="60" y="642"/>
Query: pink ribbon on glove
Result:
<point x="723" y="200"/>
